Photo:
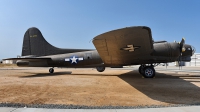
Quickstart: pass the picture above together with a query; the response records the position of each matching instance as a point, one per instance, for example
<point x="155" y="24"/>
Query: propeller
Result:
<point x="182" y="49"/>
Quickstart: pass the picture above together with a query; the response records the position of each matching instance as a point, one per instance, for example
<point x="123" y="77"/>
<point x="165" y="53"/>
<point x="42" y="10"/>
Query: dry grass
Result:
<point x="88" y="87"/>
<point x="8" y="65"/>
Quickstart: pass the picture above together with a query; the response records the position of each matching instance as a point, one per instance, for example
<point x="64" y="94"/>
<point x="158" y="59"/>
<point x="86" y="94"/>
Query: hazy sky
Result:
<point x="73" y="23"/>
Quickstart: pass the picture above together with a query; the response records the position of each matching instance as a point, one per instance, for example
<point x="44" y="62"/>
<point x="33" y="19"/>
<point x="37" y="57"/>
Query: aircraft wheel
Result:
<point x="149" y="72"/>
<point x="100" y="69"/>
<point x="51" y="70"/>
<point x="141" y="69"/>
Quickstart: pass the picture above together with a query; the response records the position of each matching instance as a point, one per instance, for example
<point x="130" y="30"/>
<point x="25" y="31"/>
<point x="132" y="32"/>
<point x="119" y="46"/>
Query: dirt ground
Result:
<point x="88" y="87"/>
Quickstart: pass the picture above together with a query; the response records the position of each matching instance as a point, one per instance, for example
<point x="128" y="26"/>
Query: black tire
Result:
<point x="51" y="70"/>
<point x="141" y="69"/>
<point x="100" y="69"/>
<point x="149" y="72"/>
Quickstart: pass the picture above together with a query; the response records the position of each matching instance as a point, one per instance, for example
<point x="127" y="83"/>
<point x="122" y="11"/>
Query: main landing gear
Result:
<point x="147" y="71"/>
<point x="51" y="70"/>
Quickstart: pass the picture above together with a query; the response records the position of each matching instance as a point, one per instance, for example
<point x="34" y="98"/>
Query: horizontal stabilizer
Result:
<point x="29" y="59"/>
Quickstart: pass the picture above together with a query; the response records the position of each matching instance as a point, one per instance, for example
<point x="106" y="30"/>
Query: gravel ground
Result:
<point x="87" y="88"/>
<point x="54" y="106"/>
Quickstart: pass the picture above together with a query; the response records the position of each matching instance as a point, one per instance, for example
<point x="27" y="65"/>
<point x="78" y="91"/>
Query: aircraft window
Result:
<point x="88" y="56"/>
<point x="189" y="49"/>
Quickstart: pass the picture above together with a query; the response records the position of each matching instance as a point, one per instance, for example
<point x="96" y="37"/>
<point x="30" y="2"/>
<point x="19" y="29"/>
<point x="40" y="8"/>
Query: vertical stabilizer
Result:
<point x="35" y="44"/>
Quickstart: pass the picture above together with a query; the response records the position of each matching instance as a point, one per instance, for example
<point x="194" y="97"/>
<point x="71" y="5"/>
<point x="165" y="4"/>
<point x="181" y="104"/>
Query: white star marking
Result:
<point x="74" y="59"/>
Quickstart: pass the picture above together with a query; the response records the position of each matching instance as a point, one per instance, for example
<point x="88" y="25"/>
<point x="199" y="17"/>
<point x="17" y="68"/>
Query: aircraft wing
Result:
<point x="125" y="46"/>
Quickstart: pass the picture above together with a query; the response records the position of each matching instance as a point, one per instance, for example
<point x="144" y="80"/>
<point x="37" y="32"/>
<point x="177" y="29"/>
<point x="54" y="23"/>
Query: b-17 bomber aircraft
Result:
<point x="116" y="48"/>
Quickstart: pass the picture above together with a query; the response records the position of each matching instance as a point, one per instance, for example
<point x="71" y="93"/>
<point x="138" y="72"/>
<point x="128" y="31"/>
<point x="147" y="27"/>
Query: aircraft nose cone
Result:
<point x="193" y="50"/>
<point x="188" y="50"/>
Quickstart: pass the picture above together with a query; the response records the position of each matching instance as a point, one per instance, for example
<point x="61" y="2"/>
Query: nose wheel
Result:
<point x="51" y="70"/>
<point x="147" y="71"/>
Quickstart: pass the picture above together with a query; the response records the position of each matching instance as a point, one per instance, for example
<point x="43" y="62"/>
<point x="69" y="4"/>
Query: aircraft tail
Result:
<point x="35" y="44"/>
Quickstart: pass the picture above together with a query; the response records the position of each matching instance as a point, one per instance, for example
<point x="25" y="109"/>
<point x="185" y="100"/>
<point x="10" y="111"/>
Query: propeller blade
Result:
<point x="182" y="41"/>
<point x="182" y="48"/>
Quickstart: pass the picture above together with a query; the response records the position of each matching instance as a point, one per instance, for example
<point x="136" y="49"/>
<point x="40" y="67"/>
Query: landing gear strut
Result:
<point x="51" y="70"/>
<point x="147" y="71"/>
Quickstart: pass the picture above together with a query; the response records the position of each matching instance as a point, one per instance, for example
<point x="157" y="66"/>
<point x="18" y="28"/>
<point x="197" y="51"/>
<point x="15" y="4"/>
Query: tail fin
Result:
<point x="35" y="44"/>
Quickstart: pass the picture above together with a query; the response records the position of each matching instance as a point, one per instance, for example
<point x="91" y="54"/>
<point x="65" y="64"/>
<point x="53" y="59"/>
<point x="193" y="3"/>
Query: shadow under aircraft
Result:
<point x="166" y="87"/>
<point x="170" y="88"/>
<point x="116" y="48"/>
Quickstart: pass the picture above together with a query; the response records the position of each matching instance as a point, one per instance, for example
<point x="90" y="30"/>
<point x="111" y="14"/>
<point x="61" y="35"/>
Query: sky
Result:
<point x="74" y="23"/>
